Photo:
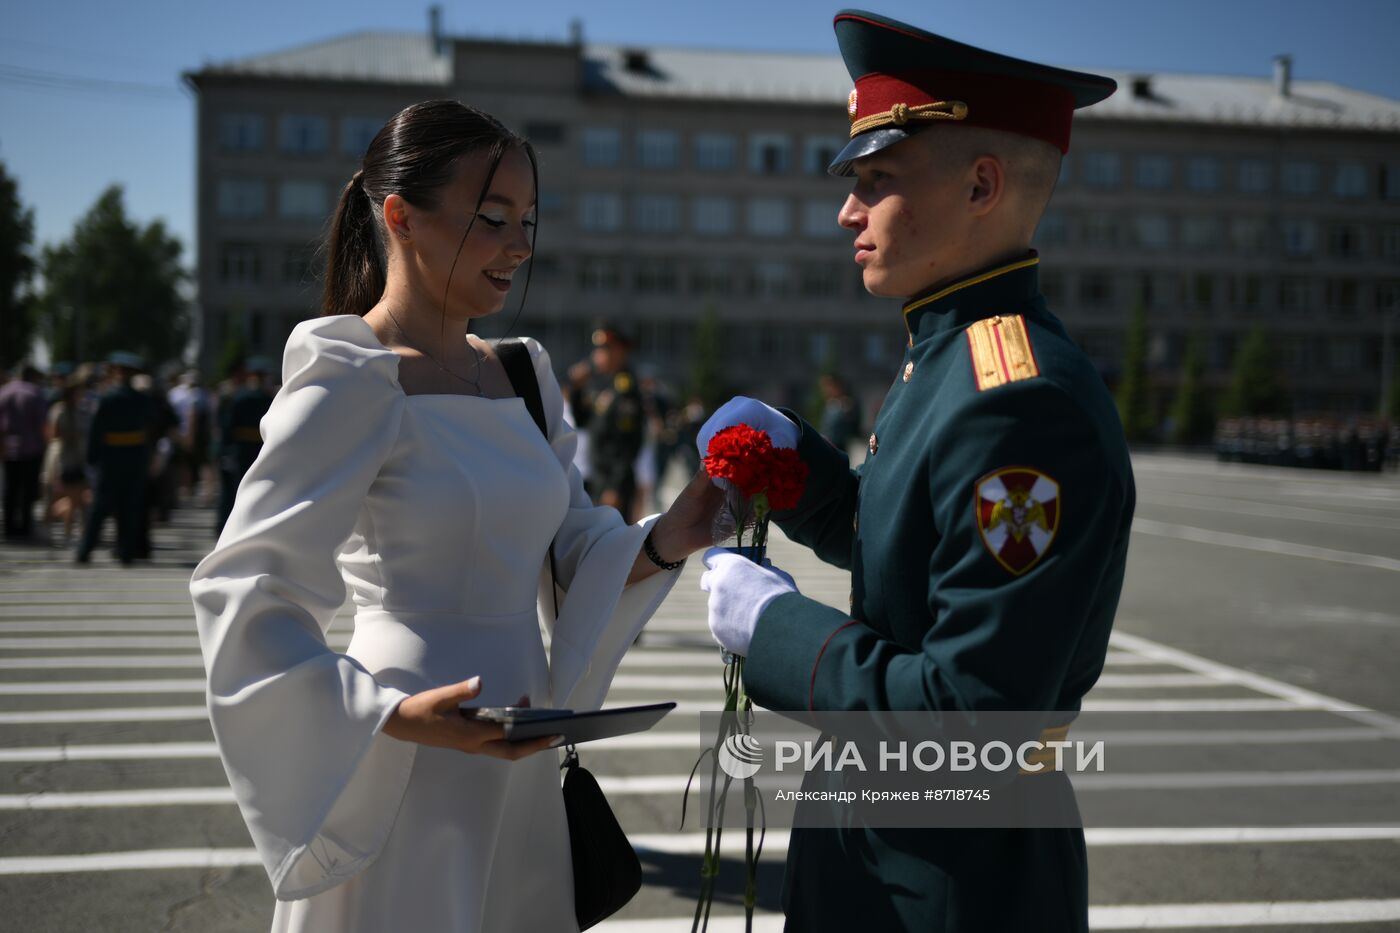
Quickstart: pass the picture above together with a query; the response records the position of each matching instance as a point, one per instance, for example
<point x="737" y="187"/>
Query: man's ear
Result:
<point x="988" y="185"/>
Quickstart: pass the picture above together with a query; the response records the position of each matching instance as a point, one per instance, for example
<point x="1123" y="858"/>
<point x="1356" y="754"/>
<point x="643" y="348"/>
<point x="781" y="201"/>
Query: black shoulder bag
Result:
<point x="607" y="872"/>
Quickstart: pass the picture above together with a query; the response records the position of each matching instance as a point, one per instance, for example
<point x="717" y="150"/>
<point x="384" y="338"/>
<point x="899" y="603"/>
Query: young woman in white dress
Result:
<point x="398" y="462"/>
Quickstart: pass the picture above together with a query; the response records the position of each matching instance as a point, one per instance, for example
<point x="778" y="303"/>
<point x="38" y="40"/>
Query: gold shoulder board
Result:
<point x="1001" y="351"/>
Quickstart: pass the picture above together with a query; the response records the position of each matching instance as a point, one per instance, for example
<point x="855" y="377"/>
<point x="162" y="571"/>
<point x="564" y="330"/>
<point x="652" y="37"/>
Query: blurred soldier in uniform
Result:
<point x="240" y="439"/>
<point x="607" y="403"/>
<point x="119" y="450"/>
<point x="987" y="530"/>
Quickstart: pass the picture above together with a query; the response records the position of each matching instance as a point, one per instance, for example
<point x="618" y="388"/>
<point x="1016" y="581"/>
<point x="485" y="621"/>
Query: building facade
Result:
<point x="677" y="183"/>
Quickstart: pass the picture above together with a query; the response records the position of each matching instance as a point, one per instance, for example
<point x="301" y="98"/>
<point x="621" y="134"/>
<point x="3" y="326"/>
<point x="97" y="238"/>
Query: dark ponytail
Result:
<point x="414" y="155"/>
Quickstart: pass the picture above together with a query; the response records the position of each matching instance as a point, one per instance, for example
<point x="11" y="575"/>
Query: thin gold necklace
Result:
<point x="474" y="383"/>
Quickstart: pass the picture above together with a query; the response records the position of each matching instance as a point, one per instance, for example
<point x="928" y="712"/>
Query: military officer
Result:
<point x="240" y="438"/>
<point x="987" y="530"/>
<point x="119" y="450"/>
<point x="607" y="402"/>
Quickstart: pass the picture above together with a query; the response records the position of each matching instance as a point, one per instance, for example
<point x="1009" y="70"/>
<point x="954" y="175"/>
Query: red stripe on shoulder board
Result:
<point x="812" y="688"/>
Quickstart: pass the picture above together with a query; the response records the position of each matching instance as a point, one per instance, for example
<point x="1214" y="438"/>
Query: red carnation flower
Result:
<point x="739" y="454"/>
<point x="787" y="478"/>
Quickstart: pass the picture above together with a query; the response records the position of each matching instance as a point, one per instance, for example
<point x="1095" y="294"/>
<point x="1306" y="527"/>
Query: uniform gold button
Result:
<point x="874" y="444"/>
<point x="908" y="370"/>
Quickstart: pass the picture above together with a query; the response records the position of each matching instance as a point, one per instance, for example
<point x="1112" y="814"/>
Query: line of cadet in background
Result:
<point x="1370" y="444"/>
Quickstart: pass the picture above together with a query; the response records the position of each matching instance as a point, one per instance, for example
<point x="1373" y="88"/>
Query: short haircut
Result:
<point x="1032" y="165"/>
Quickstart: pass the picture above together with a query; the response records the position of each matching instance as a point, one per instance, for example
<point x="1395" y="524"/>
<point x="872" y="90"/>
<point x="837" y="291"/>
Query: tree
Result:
<point x="1134" y="403"/>
<point x="706" y="372"/>
<point x="114" y="285"/>
<point x="1193" y="413"/>
<point x="1254" y="387"/>
<point x="16" y="270"/>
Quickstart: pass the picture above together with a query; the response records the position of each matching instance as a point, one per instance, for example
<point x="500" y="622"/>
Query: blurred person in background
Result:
<point x="606" y="400"/>
<point x="161" y="470"/>
<point x="192" y="406"/>
<point x="239" y="438"/>
<point x="119" y="450"/>
<point x="65" y="483"/>
<point x="840" y="416"/>
<point x="660" y="413"/>
<point x="23" y="406"/>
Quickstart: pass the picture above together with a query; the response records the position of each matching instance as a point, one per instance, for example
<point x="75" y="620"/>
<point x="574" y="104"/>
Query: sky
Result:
<point x="90" y="90"/>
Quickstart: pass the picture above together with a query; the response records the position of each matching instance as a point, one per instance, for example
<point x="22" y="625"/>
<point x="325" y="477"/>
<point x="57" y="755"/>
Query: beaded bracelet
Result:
<point x="655" y="558"/>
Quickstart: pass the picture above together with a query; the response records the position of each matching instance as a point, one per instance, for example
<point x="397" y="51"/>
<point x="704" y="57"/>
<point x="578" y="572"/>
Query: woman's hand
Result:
<point x="687" y="526"/>
<point x="432" y="718"/>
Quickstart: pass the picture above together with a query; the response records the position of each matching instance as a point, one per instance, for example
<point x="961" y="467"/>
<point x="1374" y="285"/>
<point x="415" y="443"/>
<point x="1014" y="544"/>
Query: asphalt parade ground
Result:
<point x="1257" y="645"/>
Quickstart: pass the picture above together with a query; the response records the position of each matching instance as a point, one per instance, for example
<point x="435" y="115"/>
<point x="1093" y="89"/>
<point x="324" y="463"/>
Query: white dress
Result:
<point x="436" y="511"/>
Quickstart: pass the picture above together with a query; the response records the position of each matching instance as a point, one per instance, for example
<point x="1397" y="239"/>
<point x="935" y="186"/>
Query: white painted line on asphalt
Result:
<point x="104" y="626"/>
<point x="1157" y="680"/>
<point x="155" y="797"/>
<point x="132" y="714"/>
<point x="1261" y="914"/>
<point x="104" y="661"/>
<point x="134" y="751"/>
<point x="1167" y="737"/>
<point x="1235" y="835"/>
<point x="37" y="687"/>
<point x="89" y="642"/>
<point x="1265" y="545"/>
<point x="1240" y="506"/>
<point x="1224" y="779"/>
<point x="1224" y="705"/>
<point x="1305" y="699"/>
<point x="129" y="861"/>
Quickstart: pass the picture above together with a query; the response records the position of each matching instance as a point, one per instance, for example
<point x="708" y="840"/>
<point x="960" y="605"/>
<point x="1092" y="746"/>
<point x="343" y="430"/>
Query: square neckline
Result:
<point x="398" y="362"/>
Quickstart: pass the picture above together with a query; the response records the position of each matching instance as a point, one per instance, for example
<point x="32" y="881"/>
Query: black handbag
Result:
<point x="607" y="872"/>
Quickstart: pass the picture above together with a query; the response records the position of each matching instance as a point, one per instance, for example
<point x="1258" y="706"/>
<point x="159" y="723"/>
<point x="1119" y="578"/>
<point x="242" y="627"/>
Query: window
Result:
<point x="599" y="273"/>
<point x="712" y="216"/>
<point x="1095" y="289"/>
<point x="1102" y="170"/>
<point x="771" y="279"/>
<point x="1388" y="296"/>
<point x="877" y="350"/>
<point x="658" y="149"/>
<point x="1350" y="180"/>
<point x="239" y="262"/>
<point x="1200" y="289"/>
<point x="544" y="132"/>
<point x="1299" y="177"/>
<point x="1388" y="243"/>
<point x="1299" y="237"/>
<point x="241" y="132"/>
<point x="1053" y="229"/>
<point x="769" y="154"/>
<point x="1256" y="175"/>
<point x="1390" y="181"/>
<point x="818" y="347"/>
<point x="657" y="213"/>
<point x="1249" y="292"/>
<point x="356" y="133"/>
<point x="769" y="217"/>
<point x="552" y="204"/>
<point x="819" y="219"/>
<point x="820" y="151"/>
<point x="657" y="275"/>
<point x="241" y="197"/>
<point x="1201" y="233"/>
<point x="601" y="211"/>
<point x="715" y="152"/>
<point x="1052" y="288"/>
<point x="298" y="264"/>
<point x="1344" y="241"/>
<point x="1344" y="354"/>
<point x="1295" y="294"/>
<point x="820" y="279"/>
<point x="1342" y="295"/>
<point x="1152" y="231"/>
<point x="712" y="277"/>
<point x="304" y="133"/>
<point x="1100" y="229"/>
<point x="1203" y="173"/>
<point x="602" y="146"/>
<point x="1154" y="172"/>
<point x="302" y="199"/>
<point x="1249" y="235"/>
<point x="1156" y="289"/>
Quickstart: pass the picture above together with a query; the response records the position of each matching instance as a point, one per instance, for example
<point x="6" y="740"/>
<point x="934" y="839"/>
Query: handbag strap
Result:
<point x="520" y="369"/>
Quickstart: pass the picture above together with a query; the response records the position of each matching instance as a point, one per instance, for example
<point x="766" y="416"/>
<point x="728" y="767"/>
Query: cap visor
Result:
<point x="864" y="145"/>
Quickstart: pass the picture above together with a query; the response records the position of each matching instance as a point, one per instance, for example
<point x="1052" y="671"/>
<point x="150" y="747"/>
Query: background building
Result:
<point x="679" y="181"/>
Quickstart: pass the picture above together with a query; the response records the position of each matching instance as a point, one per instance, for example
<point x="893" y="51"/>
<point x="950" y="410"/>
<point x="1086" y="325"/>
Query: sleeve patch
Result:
<point x="1018" y="515"/>
<point x="1001" y="351"/>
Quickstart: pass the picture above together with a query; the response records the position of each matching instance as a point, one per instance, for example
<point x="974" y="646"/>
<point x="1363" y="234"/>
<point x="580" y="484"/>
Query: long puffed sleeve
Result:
<point x="297" y="724"/>
<point x="599" y="615"/>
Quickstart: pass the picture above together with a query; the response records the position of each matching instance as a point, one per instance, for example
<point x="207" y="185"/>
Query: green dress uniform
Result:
<point x="986" y="532"/>
<point x="616" y="430"/>
<point x="119" y="449"/>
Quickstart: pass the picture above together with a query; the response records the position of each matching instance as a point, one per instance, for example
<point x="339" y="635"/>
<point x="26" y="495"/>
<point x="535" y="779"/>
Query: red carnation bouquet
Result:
<point x="758" y="478"/>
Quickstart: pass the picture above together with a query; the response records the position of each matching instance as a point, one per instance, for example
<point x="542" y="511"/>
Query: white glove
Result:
<point x="739" y="592"/>
<point x="750" y="411"/>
